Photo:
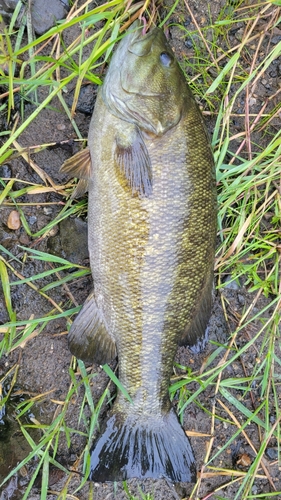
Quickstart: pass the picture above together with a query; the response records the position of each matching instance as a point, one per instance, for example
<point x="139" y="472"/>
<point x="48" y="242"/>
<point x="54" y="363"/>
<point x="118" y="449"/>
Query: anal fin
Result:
<point x="88" y="337"/>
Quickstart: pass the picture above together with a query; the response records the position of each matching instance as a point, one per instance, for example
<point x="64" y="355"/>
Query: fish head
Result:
<point x="144" y="83"/>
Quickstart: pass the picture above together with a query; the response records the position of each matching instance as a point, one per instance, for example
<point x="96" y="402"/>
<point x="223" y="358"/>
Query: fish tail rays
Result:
<point x="142" y="447"/>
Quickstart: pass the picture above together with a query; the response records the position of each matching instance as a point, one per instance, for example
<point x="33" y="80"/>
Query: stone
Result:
<point x="45" y="14"/>
<point x="13" y="221"/>
<point x="72" y="241"/>
<point x="86" y="99"/>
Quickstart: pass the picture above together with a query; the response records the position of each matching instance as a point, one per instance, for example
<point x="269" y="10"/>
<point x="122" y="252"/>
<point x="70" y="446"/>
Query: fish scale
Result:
<point x="152" y="230"/>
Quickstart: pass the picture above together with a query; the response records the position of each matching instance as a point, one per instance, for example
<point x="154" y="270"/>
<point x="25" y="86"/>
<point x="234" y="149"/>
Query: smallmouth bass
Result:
<point x="152" y="229"/>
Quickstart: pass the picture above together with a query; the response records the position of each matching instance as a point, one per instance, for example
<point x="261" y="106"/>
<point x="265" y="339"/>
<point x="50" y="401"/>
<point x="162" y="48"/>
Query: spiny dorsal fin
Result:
<point x="133" y="161"/>
<point x="79" y="166"/>
<point x="81" y="188"/>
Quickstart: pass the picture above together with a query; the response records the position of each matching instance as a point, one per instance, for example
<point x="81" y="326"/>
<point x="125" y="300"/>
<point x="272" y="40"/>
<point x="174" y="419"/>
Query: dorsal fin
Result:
<point x="79" y="166"/>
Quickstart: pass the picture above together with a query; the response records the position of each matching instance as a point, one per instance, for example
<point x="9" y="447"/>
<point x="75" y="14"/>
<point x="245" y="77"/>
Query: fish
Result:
<point x="152" y="211"/>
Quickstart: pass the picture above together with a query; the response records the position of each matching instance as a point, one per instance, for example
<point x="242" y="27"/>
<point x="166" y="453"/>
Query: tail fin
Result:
<point x="143" y="447"/>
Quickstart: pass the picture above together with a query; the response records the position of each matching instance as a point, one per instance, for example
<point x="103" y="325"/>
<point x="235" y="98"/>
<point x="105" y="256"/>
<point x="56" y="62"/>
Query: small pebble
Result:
<point x="188" y="43"/>
<point x="47" y="210"/>
<point x="5" y="171"/>
<point x="32" y="219"/>
<point x="252" y="101"/>
<point x="275" y="39"/>
<point x="265" y="84"/>
<point x="231" y="283"/>
<point x="61" y="126"/>
<point x="23" y="471"/>
<point x="244" y="460"/>
<point x="24" y="239"/>
<point x="272" y="453"/>
<point x="239" y="34"/>
<point x="187" y="22"/>
<point x="14" y="220"/>
<point x="241" y="299"/>
<point x="272" y="419"/>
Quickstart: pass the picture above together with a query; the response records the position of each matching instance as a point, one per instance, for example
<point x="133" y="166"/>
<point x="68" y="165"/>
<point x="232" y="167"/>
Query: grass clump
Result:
<point x="228" y="60"/>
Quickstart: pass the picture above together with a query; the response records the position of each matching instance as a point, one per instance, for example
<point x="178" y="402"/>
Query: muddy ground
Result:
<point x="44" y="361"/>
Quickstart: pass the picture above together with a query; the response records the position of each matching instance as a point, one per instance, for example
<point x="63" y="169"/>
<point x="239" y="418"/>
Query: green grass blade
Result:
<point x="117" y="382"/>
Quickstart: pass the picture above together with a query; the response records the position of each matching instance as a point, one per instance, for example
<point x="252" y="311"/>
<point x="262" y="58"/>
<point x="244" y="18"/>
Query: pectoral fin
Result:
<point x="79" y="166"/>
<point x="88" y="337"/>
<point x="132" y="161"/>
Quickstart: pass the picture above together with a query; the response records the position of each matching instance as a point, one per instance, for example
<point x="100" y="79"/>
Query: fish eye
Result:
<point x="166" y="59"/>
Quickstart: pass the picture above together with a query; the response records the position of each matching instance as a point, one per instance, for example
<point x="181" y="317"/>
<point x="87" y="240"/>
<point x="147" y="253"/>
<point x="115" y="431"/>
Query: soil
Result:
<point x="44" y="361"/>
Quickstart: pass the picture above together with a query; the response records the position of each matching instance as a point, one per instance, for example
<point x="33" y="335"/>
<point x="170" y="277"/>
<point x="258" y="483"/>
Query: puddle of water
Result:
<point x="13" y="449"/>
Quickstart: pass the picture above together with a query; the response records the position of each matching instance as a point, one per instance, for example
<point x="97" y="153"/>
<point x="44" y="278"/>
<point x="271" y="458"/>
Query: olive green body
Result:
<point x="151" y="256"/>
<point x="152" y="230"/>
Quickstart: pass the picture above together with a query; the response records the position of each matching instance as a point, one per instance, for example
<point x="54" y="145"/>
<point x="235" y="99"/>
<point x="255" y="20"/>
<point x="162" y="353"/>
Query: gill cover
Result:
<point x="144" y="84"/>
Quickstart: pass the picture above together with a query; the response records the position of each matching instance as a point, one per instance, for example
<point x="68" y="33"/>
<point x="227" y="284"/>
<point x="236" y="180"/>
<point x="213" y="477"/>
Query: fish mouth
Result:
<point x="144" y="94"/>
<point x="139" y="45"/>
